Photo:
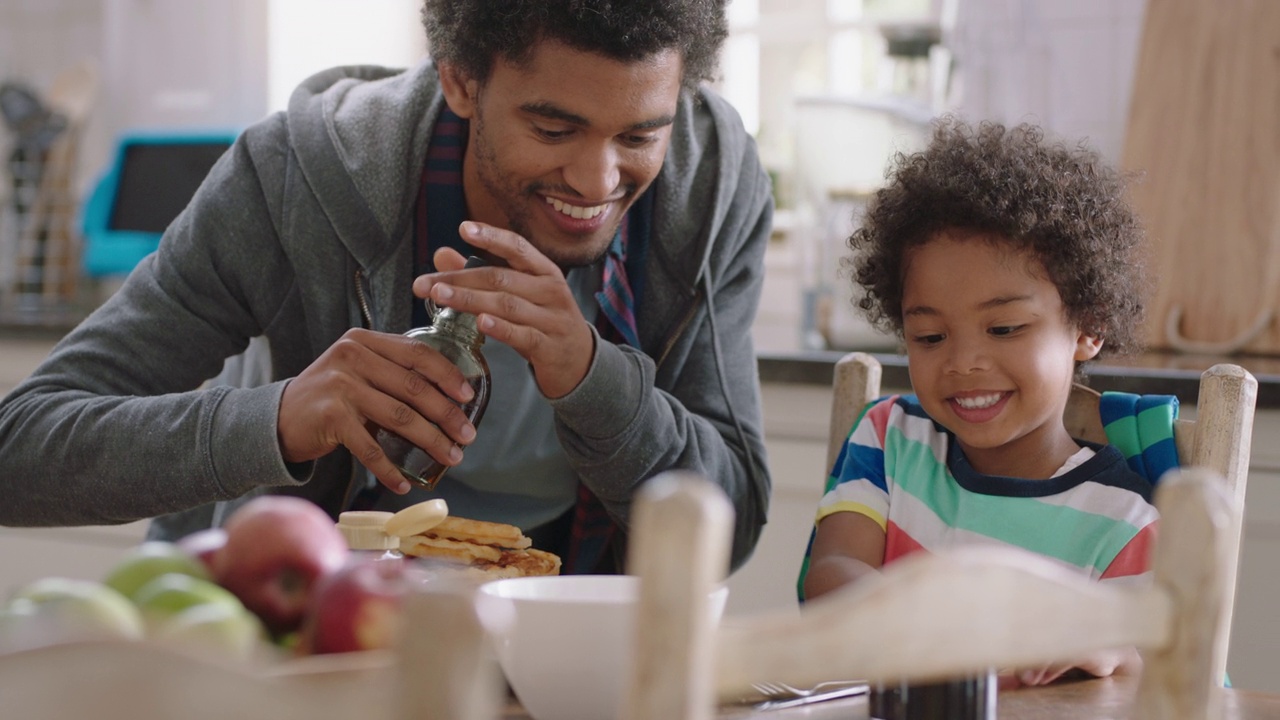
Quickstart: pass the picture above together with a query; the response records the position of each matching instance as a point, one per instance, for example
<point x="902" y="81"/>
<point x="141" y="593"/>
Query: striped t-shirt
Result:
<point x="907" y="473"/>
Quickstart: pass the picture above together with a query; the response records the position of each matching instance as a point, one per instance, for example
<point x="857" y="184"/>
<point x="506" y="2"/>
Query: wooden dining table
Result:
<point x="1094" y="699"/>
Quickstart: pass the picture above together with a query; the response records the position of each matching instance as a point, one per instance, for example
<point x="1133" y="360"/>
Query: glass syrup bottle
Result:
<point x="453" y="334"/>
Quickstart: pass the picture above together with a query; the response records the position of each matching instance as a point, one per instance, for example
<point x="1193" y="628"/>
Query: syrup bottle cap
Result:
<point x="366" y="530"/>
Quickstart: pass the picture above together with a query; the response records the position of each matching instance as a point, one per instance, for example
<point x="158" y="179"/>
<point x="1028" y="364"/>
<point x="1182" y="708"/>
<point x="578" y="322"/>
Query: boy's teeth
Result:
<point x="978" y="402"/>
<point x="574" y="211"/>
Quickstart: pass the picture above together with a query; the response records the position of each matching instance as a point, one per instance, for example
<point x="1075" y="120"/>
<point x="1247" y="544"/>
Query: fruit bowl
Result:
<point x="440" y="663"/>
<point x="143" y="680"/>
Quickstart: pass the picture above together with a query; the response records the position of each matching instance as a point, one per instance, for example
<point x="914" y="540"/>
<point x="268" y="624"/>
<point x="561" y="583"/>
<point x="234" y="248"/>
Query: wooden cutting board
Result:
<point x="1204" y="131"/>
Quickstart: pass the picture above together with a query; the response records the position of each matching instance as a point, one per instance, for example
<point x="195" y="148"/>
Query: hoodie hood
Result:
<point x="370" y="186"/>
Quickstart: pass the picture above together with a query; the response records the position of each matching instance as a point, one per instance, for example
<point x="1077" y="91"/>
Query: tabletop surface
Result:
<point x="1097" y="699"/>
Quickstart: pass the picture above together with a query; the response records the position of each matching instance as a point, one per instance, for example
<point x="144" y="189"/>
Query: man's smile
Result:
<point x="577" y="212"/>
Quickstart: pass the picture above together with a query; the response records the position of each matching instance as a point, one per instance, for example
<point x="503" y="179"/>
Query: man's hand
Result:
<point x="368" y="379"/>
<point x="526" y="305"/>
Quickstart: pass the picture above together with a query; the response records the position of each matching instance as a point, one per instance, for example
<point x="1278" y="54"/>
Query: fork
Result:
<point x="783" y="690"/>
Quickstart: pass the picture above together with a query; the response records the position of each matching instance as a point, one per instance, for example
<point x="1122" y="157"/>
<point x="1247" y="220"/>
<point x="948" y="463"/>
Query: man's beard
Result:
<point x="516" y="202"/>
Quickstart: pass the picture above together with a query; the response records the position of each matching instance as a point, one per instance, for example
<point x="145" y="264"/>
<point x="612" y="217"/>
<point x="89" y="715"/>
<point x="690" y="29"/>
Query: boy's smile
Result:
<point x="562" y="145"/>
<point x="991" y="352"/>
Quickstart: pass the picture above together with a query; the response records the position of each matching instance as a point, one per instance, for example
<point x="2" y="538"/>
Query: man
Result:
<point x="625" y="211"/>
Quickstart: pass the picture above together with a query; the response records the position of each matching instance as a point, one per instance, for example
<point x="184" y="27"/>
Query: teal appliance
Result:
<point x="150" y="180"/>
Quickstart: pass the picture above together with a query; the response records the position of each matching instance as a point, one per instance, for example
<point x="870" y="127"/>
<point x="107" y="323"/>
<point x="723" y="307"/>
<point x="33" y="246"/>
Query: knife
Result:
<point x="840" y="692"/>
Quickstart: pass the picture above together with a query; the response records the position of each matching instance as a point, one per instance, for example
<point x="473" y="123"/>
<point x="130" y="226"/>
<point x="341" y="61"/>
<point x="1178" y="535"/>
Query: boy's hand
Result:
<point x="527" y="305"/>
<point x="1123" y="661"/>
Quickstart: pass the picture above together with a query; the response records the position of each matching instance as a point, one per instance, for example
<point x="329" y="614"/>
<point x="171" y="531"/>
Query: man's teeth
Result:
<point x="978" y="402"/>
<point x="576" y="212"/>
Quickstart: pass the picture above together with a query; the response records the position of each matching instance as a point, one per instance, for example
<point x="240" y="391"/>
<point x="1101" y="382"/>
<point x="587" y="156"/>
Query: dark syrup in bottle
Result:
<point x="455" y="335"/>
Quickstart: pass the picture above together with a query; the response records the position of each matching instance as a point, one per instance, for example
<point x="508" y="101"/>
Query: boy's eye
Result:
<point x="1004" y="330"/>
<point x="932" y="339"/>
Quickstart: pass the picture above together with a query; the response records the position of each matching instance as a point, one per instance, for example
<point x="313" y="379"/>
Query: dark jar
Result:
<point x="454" y="335"/>
<point x="972" y="698"/>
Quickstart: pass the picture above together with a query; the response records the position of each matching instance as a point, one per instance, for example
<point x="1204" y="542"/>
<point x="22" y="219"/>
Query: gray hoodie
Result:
<point x="117" y="424"/>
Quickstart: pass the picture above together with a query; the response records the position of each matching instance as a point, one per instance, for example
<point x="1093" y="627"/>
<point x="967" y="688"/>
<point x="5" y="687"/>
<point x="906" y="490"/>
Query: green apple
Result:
<point x="167" y="595"/>
<point x="151" y="560"/>
<point x="215" y="628"/>
<point x="57" y="609"/>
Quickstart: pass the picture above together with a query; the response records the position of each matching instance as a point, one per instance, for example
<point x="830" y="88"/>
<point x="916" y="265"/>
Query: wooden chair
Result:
<point x="1004" y="607"/>
<point x="443" y="669"/>
<point x="1218" y="439"/>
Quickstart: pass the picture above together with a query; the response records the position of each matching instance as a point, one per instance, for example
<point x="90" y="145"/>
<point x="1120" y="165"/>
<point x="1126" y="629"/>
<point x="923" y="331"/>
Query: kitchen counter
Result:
<point x="1148" y="374"/>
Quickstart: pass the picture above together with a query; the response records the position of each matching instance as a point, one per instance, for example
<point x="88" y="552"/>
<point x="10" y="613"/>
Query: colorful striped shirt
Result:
<point x="907" y="473"/>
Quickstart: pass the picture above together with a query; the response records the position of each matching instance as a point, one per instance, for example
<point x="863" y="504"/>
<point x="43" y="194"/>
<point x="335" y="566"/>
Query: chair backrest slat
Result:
<point x="927" y="617"/>
<point x="1082" y="417"/>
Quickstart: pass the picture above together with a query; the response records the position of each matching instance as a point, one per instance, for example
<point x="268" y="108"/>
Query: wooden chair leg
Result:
<point x="449" y="673"/>
<point x="1180" y="680"/>
<point x="681" y="529"/>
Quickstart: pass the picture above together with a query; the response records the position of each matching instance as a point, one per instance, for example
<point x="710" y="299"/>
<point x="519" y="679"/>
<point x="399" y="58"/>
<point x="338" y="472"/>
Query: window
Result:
<point x="307" y="36"/>
<point x="784" y="55"/>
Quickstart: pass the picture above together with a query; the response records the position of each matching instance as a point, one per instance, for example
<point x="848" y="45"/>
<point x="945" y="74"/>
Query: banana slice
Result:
<point x="417" y="519"/>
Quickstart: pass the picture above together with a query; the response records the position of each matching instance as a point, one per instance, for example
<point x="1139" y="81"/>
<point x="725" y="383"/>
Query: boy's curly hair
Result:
<point x="1065" y="205"/>
<point x="472" y="34"/>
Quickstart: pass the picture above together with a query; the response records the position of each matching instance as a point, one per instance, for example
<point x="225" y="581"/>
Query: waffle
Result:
<point x="494" y="549"/>
<point x="481" y="532"/>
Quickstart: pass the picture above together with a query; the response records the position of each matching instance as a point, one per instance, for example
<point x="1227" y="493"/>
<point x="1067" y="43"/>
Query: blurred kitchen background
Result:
<point x="830" y="88"/>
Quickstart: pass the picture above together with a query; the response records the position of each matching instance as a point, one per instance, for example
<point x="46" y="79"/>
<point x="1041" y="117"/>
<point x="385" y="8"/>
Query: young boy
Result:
<point x="1004" y="262"/>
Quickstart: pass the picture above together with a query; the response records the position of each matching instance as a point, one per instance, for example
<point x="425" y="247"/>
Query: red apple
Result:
<point x="277" y="547"/>
<point x="204" y="545"/>
<point x="358" y="607"/>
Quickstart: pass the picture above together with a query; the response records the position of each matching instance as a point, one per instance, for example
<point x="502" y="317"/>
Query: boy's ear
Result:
<point x="1087" y="347"/>
<point x="460" y="92"/>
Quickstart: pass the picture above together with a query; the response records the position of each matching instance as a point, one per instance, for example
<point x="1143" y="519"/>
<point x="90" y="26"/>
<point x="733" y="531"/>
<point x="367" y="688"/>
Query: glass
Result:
<point x="455" y="335"/>
<point x="972" y="698"/>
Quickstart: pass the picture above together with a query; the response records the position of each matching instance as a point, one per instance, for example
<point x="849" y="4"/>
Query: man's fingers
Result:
<point x="522" y="338"/>
<point x="510" y="306"/>
<point x="422" y="400"/>
<point x="449" y="288"/>
<point x="368" y="379"/>
<point x="395" y="392"/>
<point x="366" y="448"/>
<point x="526" y="304"/>
<point x="511" y="247"/>
<point x="408" y="404"/>
<point x="398" y="433"/>
<point x="447" y="259"/>
<point x="408" y="355"/>
<point x="442" y="419"/>
<point x="369" y="453"/>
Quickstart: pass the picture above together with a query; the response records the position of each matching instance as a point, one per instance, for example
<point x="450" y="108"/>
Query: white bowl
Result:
<point x="567" y="654"/>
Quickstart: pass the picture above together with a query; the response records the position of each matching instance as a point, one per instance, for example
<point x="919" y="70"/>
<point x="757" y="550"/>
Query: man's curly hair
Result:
<point x="1064" y="205"/>
<point x="472" y="34"/>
